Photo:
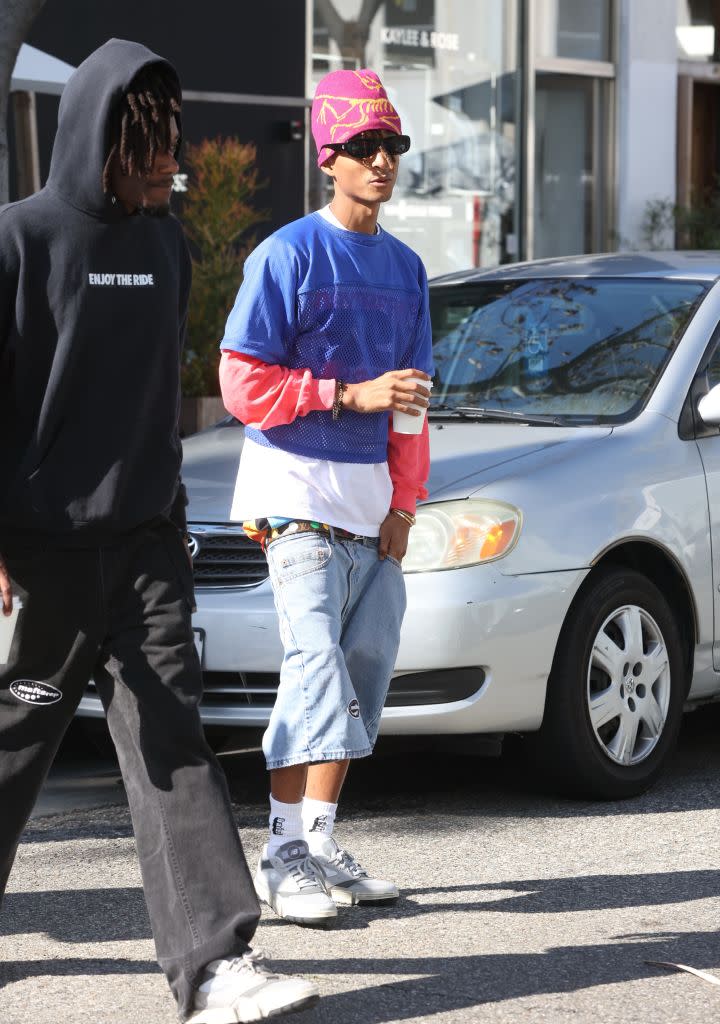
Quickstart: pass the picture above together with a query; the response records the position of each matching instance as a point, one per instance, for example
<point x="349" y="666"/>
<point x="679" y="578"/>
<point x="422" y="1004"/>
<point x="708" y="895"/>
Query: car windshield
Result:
<point x="572" y="349"/>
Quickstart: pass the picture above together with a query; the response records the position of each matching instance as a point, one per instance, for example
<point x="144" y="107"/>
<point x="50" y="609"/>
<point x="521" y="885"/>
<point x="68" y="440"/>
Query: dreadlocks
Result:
<point x="140" y="127"/>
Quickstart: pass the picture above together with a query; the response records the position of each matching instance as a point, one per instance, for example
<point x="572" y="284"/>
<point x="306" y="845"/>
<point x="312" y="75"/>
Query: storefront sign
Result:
<point x="420" y="38"/>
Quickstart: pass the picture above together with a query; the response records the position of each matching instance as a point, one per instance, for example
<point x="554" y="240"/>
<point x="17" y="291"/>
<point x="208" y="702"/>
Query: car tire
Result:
<point x="616" y="690"/>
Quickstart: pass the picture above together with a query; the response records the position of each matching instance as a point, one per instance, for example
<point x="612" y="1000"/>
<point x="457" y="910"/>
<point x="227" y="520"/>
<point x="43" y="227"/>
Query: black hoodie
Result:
<point x="93" y="303"/>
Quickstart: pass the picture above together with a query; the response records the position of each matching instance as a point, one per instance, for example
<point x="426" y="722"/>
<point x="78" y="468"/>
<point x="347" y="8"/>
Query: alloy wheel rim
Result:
<point x="628" y="685"/>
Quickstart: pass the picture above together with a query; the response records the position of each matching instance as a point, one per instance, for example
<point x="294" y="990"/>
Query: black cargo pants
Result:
<point x="121" y="614"/>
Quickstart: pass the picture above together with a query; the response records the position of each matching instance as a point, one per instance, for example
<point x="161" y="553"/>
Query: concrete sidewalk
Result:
<point x="515" y="907"/>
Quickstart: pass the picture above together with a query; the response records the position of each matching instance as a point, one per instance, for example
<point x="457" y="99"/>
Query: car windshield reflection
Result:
<point x="575" y="350"/>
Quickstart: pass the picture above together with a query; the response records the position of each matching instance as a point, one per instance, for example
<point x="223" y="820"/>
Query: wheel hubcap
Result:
<point x="628" y="685"/>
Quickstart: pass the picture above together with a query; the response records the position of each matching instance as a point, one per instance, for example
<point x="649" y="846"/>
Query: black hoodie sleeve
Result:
<point x="9" y="275"/>
<point x="9" y="269"/>
<point x="177" y="511"/>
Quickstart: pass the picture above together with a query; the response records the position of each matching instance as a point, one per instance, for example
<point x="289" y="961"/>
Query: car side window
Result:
<point x="713" y="368"/>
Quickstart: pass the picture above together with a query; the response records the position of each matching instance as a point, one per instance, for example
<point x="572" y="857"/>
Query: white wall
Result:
<point x="646" y="97"/>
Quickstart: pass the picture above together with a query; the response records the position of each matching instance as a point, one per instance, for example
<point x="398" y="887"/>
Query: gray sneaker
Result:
<point x="246" y="989"/>
<point x="346" y="881"/>
<point x="289" y="883"/>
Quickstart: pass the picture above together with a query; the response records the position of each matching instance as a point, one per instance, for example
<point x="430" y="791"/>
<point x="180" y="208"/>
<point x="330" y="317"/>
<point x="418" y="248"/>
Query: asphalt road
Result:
<point x="516" y="907"/>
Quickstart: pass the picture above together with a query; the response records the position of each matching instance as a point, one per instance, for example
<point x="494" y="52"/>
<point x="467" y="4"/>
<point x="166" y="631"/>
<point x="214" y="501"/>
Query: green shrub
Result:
<point x="218" y="214"/>
<point x="696" y="226"/>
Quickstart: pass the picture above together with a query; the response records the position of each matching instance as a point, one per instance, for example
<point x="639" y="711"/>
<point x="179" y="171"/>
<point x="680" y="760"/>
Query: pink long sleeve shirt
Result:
<point x="263" y="396"/>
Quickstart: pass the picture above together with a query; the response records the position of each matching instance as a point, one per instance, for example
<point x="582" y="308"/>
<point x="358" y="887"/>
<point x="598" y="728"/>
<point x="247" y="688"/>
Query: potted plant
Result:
<point x="219" y="215"/>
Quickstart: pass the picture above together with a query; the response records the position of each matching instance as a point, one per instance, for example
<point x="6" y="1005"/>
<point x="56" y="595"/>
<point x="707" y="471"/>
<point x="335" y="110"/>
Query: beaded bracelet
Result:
<point x="340" y="388"/>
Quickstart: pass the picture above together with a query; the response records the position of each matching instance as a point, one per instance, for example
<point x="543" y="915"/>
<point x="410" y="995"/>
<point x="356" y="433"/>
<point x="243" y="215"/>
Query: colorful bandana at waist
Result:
<point x="347" y="103"/>
<point x="263" y="532"/>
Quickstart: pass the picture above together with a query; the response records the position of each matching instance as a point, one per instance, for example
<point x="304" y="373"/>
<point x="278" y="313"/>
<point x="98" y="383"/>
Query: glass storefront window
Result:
<point x="449" y="67"/>
<point x="697" y="30"/>
<point x="574" y="29"/>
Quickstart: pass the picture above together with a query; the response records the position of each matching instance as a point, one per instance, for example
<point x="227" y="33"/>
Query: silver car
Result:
<point x="563" y="577"/>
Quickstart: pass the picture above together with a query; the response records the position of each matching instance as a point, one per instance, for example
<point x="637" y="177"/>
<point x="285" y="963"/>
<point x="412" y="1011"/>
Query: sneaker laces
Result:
<point x="251" y="962"/>
<point x="303" y="873"/>
<point x="342" y="859"/>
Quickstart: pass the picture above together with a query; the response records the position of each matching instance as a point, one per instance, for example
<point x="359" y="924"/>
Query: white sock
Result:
<point x="286" y="824"/>
<point x="318" y="818"/>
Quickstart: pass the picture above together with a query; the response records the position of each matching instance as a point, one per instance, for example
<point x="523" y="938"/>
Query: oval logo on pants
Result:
<point x="33" y="692"/>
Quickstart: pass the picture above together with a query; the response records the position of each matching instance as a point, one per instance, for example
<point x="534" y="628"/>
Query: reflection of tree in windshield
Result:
<point x="570" y="346"/>
<point x="530" y="308"/>
<point x="540" y="316"/>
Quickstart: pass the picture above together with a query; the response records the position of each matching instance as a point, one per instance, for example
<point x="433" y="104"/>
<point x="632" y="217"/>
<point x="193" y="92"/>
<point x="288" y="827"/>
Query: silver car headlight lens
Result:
<point x="454" y="534"/>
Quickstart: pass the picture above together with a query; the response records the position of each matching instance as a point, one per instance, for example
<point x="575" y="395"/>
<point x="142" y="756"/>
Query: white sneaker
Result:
<point x="288" y="882"/>
<point x="246" y="989"/>
<point x="346" y="881"/>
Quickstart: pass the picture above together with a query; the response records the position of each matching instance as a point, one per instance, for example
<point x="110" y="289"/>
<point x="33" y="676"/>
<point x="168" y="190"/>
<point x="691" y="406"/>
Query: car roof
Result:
<point x="697" y="266"/>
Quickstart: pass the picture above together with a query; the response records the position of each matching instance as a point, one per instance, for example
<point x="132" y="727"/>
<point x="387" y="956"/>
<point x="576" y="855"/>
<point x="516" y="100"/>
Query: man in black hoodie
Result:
<point x="94" y="282"/>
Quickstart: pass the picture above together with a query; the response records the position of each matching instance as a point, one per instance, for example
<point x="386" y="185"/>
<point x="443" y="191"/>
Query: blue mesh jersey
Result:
<point x="342" y="304"/>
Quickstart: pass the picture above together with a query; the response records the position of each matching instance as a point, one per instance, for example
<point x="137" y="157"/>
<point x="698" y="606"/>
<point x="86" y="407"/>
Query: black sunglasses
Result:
<point x="361" y="149"/>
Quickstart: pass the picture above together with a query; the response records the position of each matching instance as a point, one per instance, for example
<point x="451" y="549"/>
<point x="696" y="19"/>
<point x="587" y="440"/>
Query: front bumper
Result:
<point x="501" y="629"/>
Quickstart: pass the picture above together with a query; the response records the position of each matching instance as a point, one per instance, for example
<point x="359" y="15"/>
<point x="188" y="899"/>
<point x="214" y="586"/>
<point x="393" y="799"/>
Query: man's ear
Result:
<point x="327" y="167"/>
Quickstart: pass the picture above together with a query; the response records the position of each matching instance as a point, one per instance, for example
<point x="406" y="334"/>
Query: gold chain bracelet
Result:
<point x="407" y="516"/>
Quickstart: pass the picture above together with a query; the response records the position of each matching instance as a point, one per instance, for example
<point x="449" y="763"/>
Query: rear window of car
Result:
<point x="585" y="349"/>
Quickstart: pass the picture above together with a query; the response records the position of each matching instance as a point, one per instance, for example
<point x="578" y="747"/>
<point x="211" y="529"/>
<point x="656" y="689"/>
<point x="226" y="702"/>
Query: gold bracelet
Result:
<point x="407" y="516"/>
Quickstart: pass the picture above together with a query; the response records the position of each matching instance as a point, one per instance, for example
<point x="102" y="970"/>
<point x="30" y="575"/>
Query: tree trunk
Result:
<point x="16" y="17"/>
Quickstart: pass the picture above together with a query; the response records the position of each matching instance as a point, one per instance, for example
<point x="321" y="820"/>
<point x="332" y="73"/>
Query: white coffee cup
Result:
<point x="7" y="629"/>
<point x="403" y="422"/>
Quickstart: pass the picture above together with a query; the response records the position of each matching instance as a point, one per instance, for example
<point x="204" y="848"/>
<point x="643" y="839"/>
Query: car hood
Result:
<point x="464" y="457"/>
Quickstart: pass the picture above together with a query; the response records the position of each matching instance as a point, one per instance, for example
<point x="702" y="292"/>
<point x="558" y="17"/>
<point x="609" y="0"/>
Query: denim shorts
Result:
<point x="340" y="610"/>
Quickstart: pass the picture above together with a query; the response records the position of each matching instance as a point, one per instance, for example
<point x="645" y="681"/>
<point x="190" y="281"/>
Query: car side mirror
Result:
<point x="709" y="407"/>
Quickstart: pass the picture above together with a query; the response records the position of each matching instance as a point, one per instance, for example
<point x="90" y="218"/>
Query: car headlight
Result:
<point x="453" y="534"/>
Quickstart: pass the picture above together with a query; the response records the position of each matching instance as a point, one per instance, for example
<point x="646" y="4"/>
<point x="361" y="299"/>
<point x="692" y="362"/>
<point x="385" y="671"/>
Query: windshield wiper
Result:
<point x="477" y="412"/>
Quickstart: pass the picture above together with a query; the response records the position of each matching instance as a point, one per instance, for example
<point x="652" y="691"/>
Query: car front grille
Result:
<point x="259" y="689"/>
<point x="224" y="556"/>
<point x="411" y="690"/>
<point x="223" y="688"/>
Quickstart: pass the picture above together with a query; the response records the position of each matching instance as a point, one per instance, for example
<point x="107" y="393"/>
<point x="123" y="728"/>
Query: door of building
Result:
<point x="698" y="134"/>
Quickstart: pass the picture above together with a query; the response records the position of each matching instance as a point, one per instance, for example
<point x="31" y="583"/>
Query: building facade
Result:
<point x="242" y="67"/>
<point x="539" y="127"/>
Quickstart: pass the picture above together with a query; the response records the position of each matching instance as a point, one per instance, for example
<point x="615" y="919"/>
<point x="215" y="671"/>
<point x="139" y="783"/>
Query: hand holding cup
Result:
<point x="398" y="391"/>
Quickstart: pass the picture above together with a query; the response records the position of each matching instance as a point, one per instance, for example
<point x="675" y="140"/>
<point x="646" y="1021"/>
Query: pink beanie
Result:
<point x="347" y="103"/>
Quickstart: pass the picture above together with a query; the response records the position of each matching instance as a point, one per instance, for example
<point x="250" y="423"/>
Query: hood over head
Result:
<point x="82" y="142"/>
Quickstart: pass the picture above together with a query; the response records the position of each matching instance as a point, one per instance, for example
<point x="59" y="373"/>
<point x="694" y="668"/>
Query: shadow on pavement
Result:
<point x="448" y="983"/>
<point x="105" y="915"/>
<point x="445" y="982"/>
<point x="23" y="969"/>
<point x="580" y="893"/>
<point x="77" y="915"/>
<point x="543" y="896"/>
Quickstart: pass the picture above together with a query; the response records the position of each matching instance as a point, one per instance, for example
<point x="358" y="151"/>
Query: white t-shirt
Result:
<point x="354" y="496"/>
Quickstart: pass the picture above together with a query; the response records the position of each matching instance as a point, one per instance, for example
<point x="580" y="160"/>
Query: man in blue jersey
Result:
<point x="330" y="333"/>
